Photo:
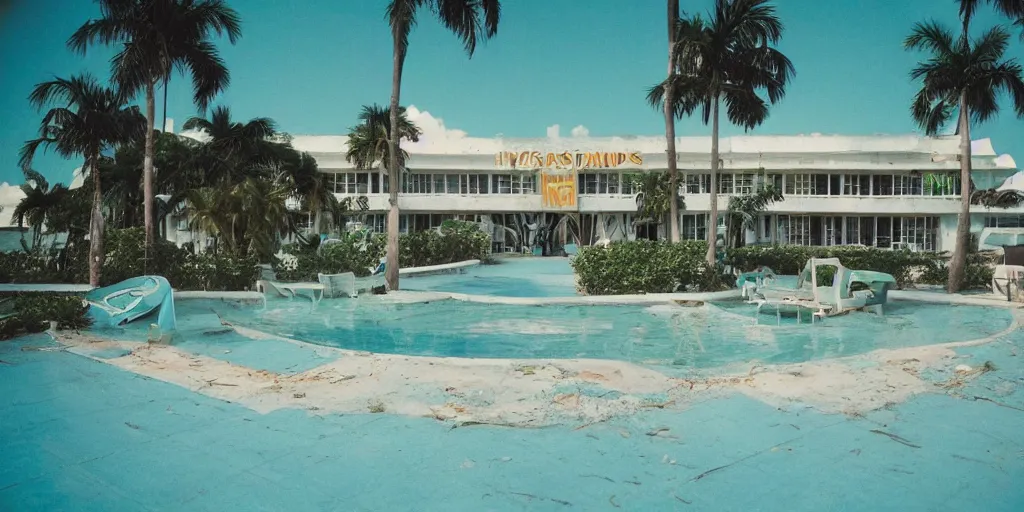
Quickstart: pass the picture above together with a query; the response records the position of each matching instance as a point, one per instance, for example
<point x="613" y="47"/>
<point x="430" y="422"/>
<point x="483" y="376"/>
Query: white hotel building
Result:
<point x="879" y="191"/>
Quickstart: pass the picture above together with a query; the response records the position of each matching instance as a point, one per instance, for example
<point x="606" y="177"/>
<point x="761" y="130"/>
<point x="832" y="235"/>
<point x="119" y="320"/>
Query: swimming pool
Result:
<point x="510" y="277"/>
<point x="669" y="335"/>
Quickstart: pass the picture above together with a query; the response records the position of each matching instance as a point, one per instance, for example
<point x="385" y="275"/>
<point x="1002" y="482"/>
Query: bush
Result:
<point x="359" y="253"/>
<point x="644" y="266"/>
<point x="790" y="259"/>
<point x="33" y="313"/>
<point x="977" y="272"/>
<point x="126" y="258"/>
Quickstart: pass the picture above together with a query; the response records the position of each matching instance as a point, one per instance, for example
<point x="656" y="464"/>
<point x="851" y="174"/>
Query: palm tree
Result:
<point x="234" y="149"/>
<point x="368" y="146"/>
<point x="39" y="203"/>
<point x="744" y="210"/>
<point x="86" y="119"/>
<point x="470" y="21"/>
<point x="654" y="198"/>
<point x="670" y="121"/>
<point x="727" y="58"/>
<point x="311" y="187"/>
<point x="155" y="37"/>
<point x="964" y="77"/>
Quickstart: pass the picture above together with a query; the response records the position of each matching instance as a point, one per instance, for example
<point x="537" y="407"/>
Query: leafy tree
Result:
<point x="744" y="210"/>
<point x="654" y="202"/>
<point x="727" y="58"/>
<point x="85" y="119"/>
<point x="41" y="201"/>
<point x="963" y="77"/>
<point x="155" y="38"/>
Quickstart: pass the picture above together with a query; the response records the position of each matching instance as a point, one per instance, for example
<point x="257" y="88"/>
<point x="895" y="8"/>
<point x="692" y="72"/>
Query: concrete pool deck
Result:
<point x="79" y="434"/>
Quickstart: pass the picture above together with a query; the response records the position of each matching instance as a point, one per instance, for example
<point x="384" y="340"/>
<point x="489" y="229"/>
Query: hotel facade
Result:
<point x="889" y="192"/>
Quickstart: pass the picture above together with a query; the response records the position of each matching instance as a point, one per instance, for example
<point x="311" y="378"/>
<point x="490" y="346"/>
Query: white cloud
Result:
<point x="10" y="196"/>
<point x="580" y="131"/>
<point x="553" y="131"/>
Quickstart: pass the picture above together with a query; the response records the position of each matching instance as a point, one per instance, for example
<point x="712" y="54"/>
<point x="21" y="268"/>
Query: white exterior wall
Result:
<point x="786" y="155"/>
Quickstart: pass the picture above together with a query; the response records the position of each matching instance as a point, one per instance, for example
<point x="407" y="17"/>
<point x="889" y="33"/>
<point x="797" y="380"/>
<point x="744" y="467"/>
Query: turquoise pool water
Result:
<point x="699" y="337"/>
<point x="511" y="277"/>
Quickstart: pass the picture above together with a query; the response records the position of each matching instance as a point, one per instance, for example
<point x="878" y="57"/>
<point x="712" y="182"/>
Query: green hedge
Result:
<point x="126" y="258"/>
<point x="790" y="259"/>
<point x="357" y="253"/>
<point x="25" y="314"/>
<point x="645" y="266"/>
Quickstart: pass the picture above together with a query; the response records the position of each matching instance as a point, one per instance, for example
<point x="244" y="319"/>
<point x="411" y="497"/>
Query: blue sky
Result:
<point x="311" y="64"/>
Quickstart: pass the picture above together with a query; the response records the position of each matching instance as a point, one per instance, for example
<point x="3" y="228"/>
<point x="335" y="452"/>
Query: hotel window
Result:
<point x="527" y="183"/>
<point x="610" y="184"/>
<point x="882" y="185"/>
<point x="833" y="230"/>
<point x="774" y="180"/>
<point x="806" y="185"/>
<point x="452" y="183"/>
<point x="695" y="226"/>
<point x="628" y="184"/>
<point x="417" y="183"/>
<point x="590" y="183"/>
<point x="835" y="184"/>
<point x="1004" y="221"/>
<point x="375" y="182"/>
<point x="856" y="185"/>
<point x="852" y="230"/>
<point x="725" y="182"/>
<point x="799" y="184"/>
<point x="794" y="229"/>
<point x="438" y="181"/>
<point x="941" y="184"/>
<point x="743" y="184"/>
<point x="501" y="183"/>
<point x="375" y="222"/>
<point x="473" y="184"/>
<point x="908" y="185"/>
<point x="351" y="183"/>
<point x="697" y="183"/>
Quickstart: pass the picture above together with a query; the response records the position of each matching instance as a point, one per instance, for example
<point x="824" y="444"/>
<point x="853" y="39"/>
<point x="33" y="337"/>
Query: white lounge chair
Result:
<point x="338" y="285"/>
<point x="290" y="290"/>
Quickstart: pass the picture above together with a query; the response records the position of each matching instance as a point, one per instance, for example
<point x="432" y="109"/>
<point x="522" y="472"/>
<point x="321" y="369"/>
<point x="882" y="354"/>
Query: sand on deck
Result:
<point x="522" y="392"/>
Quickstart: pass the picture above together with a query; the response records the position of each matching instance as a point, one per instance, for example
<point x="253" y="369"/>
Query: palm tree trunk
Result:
<point x="670" y="123"/>
<point x="96" y="252"/>
<point x="164" y="125"/>
<point x="316" y="222"/>
<point x="713" y="183"/>
<point x="391" y="266"/>
<point x="147" y="169"/>
<point x="963" y="222"/>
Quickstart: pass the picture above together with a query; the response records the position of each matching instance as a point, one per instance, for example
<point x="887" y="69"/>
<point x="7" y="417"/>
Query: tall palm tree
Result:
<point x="728" y="58"/>
<point x="962" y="76"/>
<point x="40" y="202"/>
<point x="86" y="119"/>
<point x="470" y="21"/>
<point x="670" y="121"/>
<point x="155" y="37"/>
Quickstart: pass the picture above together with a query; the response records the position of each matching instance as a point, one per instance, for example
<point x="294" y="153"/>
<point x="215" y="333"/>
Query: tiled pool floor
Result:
<point x="77" y="434"/>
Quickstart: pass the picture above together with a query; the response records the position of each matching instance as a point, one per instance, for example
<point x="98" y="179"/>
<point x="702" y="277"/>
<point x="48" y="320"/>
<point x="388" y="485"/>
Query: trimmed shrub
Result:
<point x="357" y="253"/>
<point x="645" y="266"/>
<point x="33" y="313"/>
<point x="790" y="259"/>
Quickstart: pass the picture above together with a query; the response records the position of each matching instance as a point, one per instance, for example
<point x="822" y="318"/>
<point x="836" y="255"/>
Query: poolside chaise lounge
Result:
<point x="290" y="290"/>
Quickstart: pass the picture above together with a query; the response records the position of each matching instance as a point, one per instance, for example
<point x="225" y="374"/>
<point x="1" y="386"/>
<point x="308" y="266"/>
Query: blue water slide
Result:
<point x="133" y="299"/>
